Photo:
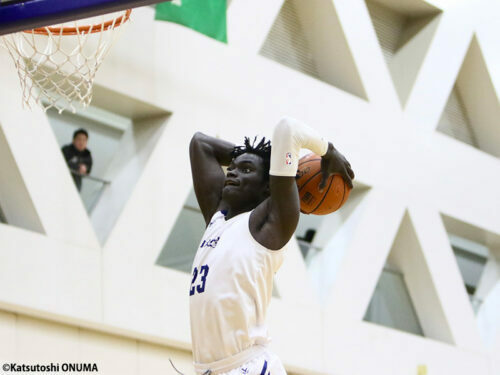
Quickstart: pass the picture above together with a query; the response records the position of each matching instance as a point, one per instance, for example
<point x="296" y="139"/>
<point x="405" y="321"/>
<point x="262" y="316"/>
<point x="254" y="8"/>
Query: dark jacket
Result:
<point x="74" y="158"/>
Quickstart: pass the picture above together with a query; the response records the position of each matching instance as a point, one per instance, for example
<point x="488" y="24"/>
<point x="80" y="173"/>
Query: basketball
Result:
<point x="312" y="201"/>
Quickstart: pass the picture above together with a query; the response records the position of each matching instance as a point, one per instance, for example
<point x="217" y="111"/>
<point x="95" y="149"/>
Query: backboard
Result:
<point x="16" y="15"/>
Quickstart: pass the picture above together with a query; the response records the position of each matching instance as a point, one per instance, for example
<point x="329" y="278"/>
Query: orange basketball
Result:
<point x="312" y="201"/>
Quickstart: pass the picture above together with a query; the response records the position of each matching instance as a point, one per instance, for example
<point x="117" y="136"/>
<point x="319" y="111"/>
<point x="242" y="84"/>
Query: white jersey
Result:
<point x="230" y="290"/>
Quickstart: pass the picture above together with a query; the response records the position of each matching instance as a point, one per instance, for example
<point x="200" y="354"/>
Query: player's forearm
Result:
<point x="289" y="137"/>
<point x="209" y="146"/>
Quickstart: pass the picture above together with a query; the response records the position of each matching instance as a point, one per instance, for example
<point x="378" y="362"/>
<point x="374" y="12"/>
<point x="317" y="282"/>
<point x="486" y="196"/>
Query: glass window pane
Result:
<point x="91" y="192"/>
<point x="391" y="305"/>
<point x="191" y="201"/>
<point x="471" y="267"/>
<point x="181" y="245"/>
<point x="306" y="232"/>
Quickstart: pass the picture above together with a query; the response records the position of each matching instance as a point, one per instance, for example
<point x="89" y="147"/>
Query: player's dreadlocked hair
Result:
<point x="262" y="149"/>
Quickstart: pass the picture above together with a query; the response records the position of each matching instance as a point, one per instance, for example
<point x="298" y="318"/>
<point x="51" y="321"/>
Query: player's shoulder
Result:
<point x="218" y="216"/>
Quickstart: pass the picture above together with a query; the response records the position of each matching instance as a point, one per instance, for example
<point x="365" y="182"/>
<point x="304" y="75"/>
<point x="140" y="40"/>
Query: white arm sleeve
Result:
<point x="288" y="138"/>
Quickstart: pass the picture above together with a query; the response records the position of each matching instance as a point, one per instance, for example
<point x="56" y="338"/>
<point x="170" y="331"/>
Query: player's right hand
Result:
<point x="333" y="162"/>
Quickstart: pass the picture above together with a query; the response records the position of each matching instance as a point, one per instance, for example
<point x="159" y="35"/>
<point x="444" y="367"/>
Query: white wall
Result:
<point x="414" y="173"/>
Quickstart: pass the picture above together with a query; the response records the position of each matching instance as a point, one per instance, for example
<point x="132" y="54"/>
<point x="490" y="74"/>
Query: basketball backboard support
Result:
<point x="16" y="15"/>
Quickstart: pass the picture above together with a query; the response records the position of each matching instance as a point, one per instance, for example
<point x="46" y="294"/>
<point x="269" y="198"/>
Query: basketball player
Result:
<point x="251" y="213"/>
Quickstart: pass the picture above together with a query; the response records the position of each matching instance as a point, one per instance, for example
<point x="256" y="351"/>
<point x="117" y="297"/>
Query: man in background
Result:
<point x="78" y="157"/>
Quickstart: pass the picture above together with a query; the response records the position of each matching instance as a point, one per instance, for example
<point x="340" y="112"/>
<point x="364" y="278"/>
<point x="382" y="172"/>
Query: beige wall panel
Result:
<point x="154" y="359"/>
<point x="39" y="341"/>
<point x="113" y="355"/>
<point x="8" y="335"/>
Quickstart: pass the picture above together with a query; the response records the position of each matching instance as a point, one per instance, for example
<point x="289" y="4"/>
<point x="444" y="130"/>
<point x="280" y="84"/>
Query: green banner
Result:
<point x="205" y="16"/>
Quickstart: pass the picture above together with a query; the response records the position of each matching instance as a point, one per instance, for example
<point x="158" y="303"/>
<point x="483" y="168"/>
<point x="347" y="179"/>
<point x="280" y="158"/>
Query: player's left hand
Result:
<point x="333" y="162"/>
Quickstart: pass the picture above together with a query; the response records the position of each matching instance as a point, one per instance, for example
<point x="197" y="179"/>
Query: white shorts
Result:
<point x="266" y="363"/>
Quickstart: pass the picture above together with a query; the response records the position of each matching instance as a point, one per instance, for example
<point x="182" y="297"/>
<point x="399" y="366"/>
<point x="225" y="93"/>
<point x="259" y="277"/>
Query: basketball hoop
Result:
<point x="57" y="64"/>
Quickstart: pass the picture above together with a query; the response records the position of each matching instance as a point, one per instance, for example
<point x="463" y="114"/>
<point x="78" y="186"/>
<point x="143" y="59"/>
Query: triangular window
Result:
<point x="472" y="111"/>
<point x="307" y="36"/>
<point x="404" y="30"/>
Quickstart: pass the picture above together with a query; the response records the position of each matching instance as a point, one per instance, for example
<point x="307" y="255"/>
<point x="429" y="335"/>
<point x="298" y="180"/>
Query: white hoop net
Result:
<point x="58" y="70"/>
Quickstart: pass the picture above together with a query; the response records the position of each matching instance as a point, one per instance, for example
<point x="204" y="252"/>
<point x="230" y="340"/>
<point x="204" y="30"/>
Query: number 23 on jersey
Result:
<point x="200" y="286"/>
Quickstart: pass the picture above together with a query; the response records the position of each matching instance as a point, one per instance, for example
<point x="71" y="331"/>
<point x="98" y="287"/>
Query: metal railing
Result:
<point x="92" y="189"/>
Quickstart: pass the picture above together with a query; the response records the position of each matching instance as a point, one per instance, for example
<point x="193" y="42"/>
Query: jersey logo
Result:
<point x="211" y="242"/>
<point x="288" y="158"/>
<point x="200" y="287"/>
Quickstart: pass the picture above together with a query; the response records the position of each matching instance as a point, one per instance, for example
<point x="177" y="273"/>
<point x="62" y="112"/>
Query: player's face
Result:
<point x="245" y="180"/>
